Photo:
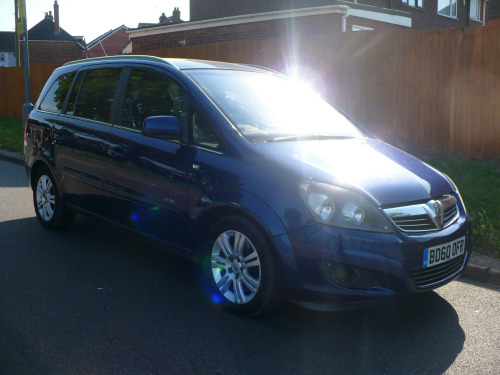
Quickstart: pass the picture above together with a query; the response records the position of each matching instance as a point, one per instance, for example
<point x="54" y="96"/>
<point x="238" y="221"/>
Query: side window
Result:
<point x="150" y="94"/>
<point x="97" y="93"/>
<point x="54" y="100"/>
<point x="202" y="133"/>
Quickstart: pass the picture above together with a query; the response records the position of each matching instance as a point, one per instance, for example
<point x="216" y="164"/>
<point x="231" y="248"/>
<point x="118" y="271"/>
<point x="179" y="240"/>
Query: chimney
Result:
<point x="57" y="29"/>
<point x="176" y="15"/>
<point x="49" y="16"/>
<point x="163" y="19"/>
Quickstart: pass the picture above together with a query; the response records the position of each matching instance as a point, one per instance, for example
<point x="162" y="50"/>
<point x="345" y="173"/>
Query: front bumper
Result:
<point x="388" y="265"/>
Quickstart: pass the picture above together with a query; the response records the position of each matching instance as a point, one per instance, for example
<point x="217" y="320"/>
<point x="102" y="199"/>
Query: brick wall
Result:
<point x="41" y="52"/>
<point x="250" y="31"/>
<point x="210" y="9"/>
<point x="112" y="45"/>
<point x="426" y="18"/>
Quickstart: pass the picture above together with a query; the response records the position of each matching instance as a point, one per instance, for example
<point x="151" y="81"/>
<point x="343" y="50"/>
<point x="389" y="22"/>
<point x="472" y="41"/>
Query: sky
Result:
<point x="92" y="18"/>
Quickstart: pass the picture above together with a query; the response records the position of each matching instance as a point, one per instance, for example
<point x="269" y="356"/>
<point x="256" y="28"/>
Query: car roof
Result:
<point x="181" y="64"/>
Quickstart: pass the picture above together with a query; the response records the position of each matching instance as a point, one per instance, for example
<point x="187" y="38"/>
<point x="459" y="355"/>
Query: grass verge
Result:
<point x="11" y="134"/>
<point x="478" y="181"/>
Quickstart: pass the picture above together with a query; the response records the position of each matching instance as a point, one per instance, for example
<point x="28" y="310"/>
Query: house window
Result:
<point x="447" y="8"/>
<point x="474" y="9"/>
<point x="413" y="3"/>
<point x="2" y="58"/>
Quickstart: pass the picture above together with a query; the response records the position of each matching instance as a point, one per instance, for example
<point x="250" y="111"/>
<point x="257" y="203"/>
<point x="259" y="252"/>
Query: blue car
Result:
<point x="275" y="192"/>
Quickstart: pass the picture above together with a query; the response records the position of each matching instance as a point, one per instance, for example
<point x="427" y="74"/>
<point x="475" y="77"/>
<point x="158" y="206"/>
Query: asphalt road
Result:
<point x="92" y="300"/>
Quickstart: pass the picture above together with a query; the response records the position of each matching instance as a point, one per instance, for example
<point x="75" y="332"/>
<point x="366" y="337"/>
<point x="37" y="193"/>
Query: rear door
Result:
<point x="81" y="137"/>
<point x="147" y="179"/>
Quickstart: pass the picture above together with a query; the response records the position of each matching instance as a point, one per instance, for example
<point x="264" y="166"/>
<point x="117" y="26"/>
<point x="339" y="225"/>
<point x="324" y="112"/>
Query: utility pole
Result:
<point x="22" y="24"/>
<point x="18" y="63"/>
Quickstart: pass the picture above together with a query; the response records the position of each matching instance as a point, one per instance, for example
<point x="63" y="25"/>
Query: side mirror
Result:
<point x="162" y="127"/>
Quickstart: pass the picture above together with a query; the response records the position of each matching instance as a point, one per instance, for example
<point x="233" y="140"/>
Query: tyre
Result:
<point x="239" y="268"/>
<point x="49" y="206"/>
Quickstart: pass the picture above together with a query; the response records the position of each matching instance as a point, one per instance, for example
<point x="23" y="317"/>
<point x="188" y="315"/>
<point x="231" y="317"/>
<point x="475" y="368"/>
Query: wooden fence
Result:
<point x="418" y="87"/>
<point x="12" y="91"/>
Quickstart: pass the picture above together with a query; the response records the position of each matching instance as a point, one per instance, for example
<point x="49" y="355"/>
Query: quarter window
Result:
<point x="447" y="8"/>
<point x="97" y="94"/>
<point x="148" y="94"/>
<point x="202" y="133"/>
<point x="54" y="100"/>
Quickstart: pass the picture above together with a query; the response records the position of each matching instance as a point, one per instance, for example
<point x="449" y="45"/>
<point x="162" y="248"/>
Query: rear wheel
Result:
<point x="239" y="268"/>
<point x="49" y="206"/>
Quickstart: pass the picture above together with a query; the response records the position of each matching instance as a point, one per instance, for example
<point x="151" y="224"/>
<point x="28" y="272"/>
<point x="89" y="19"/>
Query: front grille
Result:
<point x="427" y="277"/>
<point x="431" y="216"/>
<point x="450" y="213"/>
<point x="414" y="223"/>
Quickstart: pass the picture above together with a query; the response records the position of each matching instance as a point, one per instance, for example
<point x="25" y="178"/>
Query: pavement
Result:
<point x="480" y="267"/>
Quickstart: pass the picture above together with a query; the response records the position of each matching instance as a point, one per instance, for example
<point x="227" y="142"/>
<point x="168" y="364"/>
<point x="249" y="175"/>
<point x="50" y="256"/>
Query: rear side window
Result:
<point x="54" y="100"/>
<point x="97" y="94"/>
<point x="150" y="93"/>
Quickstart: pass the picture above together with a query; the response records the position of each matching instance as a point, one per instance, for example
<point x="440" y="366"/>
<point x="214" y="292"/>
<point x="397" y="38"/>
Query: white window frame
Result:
<point x="450" y="15"/>
<point x="361" y="28"/>
<point x="413" y="3"/>
<point x="478" y="10"/>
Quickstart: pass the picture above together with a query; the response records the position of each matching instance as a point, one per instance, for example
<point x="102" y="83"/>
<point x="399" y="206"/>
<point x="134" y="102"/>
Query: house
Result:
<point x="221" y="20"/>
<point x="493" y="12"/>
<point x="110" y="43"/>
<point x="7" y="49"/>
<point x="49" y="42"/>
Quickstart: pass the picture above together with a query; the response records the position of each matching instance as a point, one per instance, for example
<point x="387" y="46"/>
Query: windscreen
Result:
<point x="266" y="107"/>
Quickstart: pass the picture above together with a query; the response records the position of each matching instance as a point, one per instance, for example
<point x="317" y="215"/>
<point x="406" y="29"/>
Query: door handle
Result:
<point x="116" y="154"/>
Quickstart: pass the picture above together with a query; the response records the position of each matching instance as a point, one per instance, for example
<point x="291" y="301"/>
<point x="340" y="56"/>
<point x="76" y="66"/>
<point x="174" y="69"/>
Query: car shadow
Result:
<point x="11" y="175"/>
<point x="93" y="300"/>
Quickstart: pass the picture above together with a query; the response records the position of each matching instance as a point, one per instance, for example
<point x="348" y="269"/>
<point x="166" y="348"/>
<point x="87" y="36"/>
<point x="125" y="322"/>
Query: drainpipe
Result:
<point x="484" y="12"/>
<point x="344" y="17"/>
<point x="467" y="13"/>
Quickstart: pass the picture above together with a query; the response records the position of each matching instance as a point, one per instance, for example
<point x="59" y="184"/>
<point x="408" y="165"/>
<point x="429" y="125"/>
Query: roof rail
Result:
<point x="120" y="58"/>
<point x="264" y="68"/>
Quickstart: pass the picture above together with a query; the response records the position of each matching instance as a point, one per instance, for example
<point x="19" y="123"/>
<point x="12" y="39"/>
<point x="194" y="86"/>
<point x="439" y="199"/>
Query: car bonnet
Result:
<point x="386" y="174"/>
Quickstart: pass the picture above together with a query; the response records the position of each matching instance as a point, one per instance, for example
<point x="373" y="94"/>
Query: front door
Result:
<point x="147" y="180"/>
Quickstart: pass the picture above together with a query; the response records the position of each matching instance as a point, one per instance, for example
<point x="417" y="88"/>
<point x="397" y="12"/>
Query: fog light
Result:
<point x="347" y="276"/>
<point x="339" y="274"/>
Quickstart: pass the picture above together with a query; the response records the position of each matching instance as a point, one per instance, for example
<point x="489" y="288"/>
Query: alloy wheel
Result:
<point x="236" y="267"/>
<point x="45" y="198"/>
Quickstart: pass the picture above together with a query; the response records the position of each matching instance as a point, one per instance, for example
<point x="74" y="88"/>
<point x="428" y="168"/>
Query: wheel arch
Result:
<point x="248" y="206"/>
<point x="35" y="168"/>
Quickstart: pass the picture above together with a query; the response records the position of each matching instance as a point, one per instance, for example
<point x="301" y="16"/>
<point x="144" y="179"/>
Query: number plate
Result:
<point x="443" y="253"/>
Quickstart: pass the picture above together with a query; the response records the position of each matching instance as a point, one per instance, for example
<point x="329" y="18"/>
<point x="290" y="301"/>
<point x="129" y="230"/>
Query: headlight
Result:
<point x="455" y="189"/>
<point x="340" y="207"/>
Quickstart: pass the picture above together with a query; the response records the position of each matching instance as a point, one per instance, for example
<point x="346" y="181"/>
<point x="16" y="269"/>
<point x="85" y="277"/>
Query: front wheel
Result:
<point x="239" y="268"/>
<point x="49" y="206"/>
